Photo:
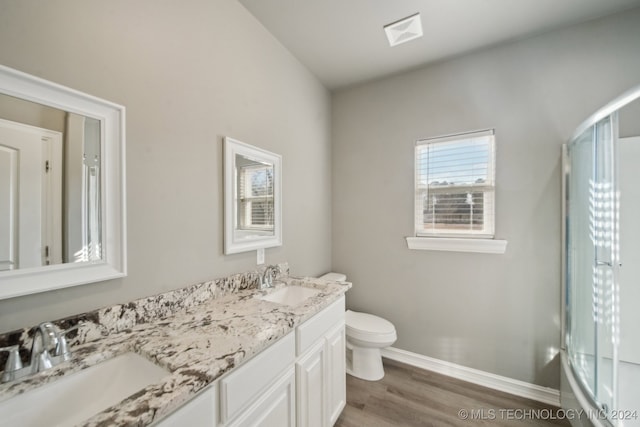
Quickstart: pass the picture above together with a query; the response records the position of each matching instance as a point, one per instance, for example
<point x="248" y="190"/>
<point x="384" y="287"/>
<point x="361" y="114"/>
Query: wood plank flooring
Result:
<point x="409" y="396"/>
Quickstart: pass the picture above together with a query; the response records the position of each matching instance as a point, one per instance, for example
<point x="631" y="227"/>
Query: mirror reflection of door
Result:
<point x="55" y="218"/>
<point x="30" y="196"/>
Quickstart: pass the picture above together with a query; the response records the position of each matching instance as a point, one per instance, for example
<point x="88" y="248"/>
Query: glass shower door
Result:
<point x="604" y="205"/>
<point x="592" y="256"/>
<point x="581" y="324"/>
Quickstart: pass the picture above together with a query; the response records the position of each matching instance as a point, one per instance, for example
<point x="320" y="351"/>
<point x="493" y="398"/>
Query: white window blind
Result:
<point x="255" y="191"/>
<point x="455" y="185"/>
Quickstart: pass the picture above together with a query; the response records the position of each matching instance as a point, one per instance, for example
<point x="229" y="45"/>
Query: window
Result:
<point x="255" y="190"/>
<point x="455" y="186"/>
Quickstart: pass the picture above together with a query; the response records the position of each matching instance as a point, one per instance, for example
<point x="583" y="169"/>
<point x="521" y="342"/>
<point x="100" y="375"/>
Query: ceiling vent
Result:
<point x="402" y="31"/>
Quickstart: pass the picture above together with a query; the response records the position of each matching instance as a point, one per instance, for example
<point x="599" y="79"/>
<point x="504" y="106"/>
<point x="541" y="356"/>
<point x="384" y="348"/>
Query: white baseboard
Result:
<point x="538" y="393"/>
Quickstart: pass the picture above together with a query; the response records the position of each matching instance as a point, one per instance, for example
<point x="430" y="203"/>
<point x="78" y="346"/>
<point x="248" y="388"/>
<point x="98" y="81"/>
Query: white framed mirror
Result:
<point x="62" y="186"/>
<point x="252" y="197"/>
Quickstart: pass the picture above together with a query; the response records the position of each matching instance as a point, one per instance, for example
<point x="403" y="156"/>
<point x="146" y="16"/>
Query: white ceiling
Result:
<point x="342" y="41"/>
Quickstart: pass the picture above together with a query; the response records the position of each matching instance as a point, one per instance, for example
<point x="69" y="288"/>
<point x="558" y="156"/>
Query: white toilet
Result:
<point x="366" y="335"/>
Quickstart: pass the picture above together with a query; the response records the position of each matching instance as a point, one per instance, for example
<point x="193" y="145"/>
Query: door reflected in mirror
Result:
<point x="252" y="197"/>
<point x="50" y="169"/>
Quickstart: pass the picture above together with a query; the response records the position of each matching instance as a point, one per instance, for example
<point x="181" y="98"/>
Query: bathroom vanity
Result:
<point x="298" y="381"/>
<point x="232" y="357"/>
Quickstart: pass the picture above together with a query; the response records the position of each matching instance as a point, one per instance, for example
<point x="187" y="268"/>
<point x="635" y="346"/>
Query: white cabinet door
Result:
<point x="198" y="412"/>
<point x="275" y="408"/>
<point x="311" y="378"/>
<point x="246" y="385"/>
<point x="336" y="384"/>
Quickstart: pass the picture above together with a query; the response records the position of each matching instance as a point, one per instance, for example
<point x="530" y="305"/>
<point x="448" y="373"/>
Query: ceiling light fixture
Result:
<point x="402" y="31"/>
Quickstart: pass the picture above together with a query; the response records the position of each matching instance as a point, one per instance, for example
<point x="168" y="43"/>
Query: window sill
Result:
<point x="486" y="246"/>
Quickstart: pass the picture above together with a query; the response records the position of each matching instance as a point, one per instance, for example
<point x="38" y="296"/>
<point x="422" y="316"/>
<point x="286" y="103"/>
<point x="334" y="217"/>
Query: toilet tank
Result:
<point x="336" y="277"/>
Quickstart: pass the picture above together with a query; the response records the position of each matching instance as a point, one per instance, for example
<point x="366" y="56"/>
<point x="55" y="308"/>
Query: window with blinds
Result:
<point x="255" y="194"/>
<point x="455" y="185"/>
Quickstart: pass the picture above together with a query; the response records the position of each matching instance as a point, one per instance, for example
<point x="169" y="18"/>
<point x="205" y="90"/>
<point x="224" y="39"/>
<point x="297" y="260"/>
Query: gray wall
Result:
<point x="498" y="313"/>
<point x="188" y="74"/>
<point x="30" y="113"/>
<point x="629" y="120"/>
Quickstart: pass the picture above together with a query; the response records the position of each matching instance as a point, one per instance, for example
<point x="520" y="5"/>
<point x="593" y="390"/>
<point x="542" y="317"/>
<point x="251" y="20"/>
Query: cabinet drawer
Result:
<point x="198" y="412"/>
<point x="313" y="329"/>
<point x="242" y="387"/>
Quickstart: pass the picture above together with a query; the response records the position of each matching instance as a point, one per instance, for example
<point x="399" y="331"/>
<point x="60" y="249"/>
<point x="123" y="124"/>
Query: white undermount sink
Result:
<point x="290" y="295"/>
<point x="78" y="396"/>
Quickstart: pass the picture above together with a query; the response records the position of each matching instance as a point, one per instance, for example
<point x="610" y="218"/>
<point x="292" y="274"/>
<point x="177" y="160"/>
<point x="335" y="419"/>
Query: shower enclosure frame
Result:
<point x="574" y="392"/>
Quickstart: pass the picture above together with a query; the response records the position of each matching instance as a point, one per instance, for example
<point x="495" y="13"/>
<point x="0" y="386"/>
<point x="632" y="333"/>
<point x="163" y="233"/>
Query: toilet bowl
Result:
<point x="366" y="335"/>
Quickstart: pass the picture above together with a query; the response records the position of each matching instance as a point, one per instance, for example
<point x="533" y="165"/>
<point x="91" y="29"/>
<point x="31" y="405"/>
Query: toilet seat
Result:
<point x="367" y="327"/>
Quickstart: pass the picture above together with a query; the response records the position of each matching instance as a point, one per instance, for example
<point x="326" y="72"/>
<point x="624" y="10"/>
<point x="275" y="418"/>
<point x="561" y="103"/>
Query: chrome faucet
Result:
<point x="46" y="340"/>
<point x="49" y="348"/>
<point x="266" y="281"/>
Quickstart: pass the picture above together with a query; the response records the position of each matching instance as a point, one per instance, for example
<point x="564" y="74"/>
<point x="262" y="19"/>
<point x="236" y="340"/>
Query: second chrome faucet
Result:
<point x="48" y="349"/>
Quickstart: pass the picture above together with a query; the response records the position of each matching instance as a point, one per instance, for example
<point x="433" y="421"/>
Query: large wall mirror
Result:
<point x="62" y="220"/>
<point x="252" y="197"/>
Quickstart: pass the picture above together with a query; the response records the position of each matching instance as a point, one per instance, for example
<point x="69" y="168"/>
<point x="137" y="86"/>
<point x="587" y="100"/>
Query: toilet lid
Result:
<point x="368" y="323"/>
<point x="336" y="277"/>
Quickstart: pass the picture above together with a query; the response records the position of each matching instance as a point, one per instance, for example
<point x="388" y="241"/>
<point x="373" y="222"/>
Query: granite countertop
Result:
<point x="196" y="345"/>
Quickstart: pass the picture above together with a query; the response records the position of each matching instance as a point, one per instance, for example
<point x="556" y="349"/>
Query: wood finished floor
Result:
<point x="409" y="396"/>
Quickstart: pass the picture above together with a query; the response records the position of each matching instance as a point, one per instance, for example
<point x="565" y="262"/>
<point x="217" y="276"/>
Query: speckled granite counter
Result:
<point x="202" y="339"/>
